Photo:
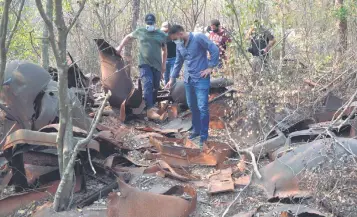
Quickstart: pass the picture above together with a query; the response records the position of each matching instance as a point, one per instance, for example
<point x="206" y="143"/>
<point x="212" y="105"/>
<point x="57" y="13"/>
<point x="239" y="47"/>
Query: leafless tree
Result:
<point x="65" y="135"/>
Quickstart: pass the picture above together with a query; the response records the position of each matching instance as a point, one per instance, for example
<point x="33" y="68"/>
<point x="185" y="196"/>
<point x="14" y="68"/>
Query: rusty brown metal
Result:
<point x="12" y="203"/>
<point x="164" y="131"/>
<point x="281" y="177"/>
<point x="178" y="173"/>
<point x="116" y="77"/>
<point x="221" y="181"/>
<point x="130" y="202"/>
<point x="38" y="138"/>
<point x="214" y="153"/>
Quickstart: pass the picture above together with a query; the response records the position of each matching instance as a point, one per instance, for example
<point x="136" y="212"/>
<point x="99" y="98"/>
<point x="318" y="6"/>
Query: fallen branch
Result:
<point x="254" y="162"/>
<point x="70" y="165"/>
<point x="236" y="198"/>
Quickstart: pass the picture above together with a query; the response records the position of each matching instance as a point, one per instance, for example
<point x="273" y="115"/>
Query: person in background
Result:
<point x="191" y="49"/>
<point x="220" y="37"/>
<point x="152" y="61"/>
<point x="171" y="53"/>
<point x="261" y="41"/>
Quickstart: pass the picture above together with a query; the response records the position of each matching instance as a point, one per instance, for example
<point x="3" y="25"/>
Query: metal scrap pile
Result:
<point x="120" y="153"/>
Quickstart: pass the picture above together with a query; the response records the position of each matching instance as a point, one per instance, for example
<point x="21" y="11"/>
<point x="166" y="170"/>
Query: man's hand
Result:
<point x="205" y="73"/>
<point x="170" y="84"/>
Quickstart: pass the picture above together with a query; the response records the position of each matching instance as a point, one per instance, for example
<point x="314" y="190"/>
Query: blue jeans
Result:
<point x="197" y="100"/>
<point x="150" y="78"/>
<point x="170" y="62"/>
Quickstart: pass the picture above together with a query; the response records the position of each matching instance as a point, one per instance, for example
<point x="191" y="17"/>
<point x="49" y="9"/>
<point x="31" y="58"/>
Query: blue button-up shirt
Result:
<point x="194" y="55"/>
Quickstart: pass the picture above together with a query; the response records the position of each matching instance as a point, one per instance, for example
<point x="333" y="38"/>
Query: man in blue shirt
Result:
<point x="191" y="49"/>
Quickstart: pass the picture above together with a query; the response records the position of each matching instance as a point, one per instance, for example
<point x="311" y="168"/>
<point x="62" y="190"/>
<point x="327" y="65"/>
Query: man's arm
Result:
<point x="271" y="39"/>
<point x="124" y="42"/>
<point x="164" y="57"/>
<point x="176" y="70"/>
<point x="211" y="48"/>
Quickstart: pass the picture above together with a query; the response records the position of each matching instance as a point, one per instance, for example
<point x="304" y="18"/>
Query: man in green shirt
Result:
<point x="152" y="61"/>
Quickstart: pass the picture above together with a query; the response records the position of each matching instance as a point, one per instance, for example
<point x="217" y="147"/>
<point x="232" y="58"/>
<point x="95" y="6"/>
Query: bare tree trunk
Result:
<point x="342" y="27"/>
<point x="65" y="134"/>
<point x="3" y="32"/>
<point x="134" y="22"/>
<point x="45" y="41"/>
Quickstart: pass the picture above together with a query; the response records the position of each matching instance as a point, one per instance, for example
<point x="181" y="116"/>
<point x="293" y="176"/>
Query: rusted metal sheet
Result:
<point x="281" y="177"/>
<point x="291" y="210"/>
<point x="38" y="138"/>
<point x="131" y="202"/>
<point x="175" y="173"/>
<point x="53" y="128"/>
<point x="221" y="181"/>
<point x="12" y="203"/>
<point x="180" y="124"/>
<point x="269" y="145"/>
<point x="163" y="131"/>
<point x="214" y="153"/>
<point x="116" y="77"/>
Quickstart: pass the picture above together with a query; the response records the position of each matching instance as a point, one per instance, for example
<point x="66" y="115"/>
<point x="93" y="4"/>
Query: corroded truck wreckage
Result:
<point x="116" y="78"/>
<point x="30" y="98"/>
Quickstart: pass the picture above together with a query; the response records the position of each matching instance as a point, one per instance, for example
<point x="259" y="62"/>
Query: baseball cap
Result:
<point x="150" y="19"/>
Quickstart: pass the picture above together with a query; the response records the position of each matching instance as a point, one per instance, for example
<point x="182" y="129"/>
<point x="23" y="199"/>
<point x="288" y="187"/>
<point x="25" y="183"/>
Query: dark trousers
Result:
<point x="150" y="78"/>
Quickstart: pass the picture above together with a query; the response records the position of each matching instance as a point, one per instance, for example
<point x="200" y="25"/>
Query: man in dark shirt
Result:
<point x="171" y="53"/>
<point x="261" y="41"/>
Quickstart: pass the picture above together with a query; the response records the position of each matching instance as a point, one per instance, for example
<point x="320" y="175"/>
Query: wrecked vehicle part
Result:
<point x="214" y="153"/>
<point x="298" y="210"/>
<point x="130" y="202"/>
<point x="178" y="93"/>
<point x="272" y="144"/>
<point x="21" y="90"/>
<point x="10" y="204"/>
<point x="124" y="161"/>
<point x="281" y="177"/>
<point x="221" y="181"/>
<point x="34" y="138"/>
<point x="164" y="131"/>
<point x="179" y="124"/>
<point x="175" y="173"/>
<point x="116" y="76"/>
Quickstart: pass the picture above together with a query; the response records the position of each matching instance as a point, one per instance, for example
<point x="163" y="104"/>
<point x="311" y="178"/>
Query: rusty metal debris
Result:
<point x="116" y="78"/>
<point x="214" y="153"/>
<point x="178" y="173"/>
<point x="130" y="202"/>
<point x="12" y="203"/>
<point x="221" y="181"/>
<point x="281" y="177"/>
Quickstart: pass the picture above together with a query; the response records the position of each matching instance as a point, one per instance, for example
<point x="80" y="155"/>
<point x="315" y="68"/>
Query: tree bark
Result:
<point x="45" y="56"/>
<point x="3" y="32"/>
<point x="134" y="22"/>
<point x="342" y="27"/>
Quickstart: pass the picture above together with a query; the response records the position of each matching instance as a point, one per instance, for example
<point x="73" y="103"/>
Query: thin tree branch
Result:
<point x="69" y="168"/>
<point x="254" y="162"/>
<point x="18" y="17"/>
<point x="76" y="16"/>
